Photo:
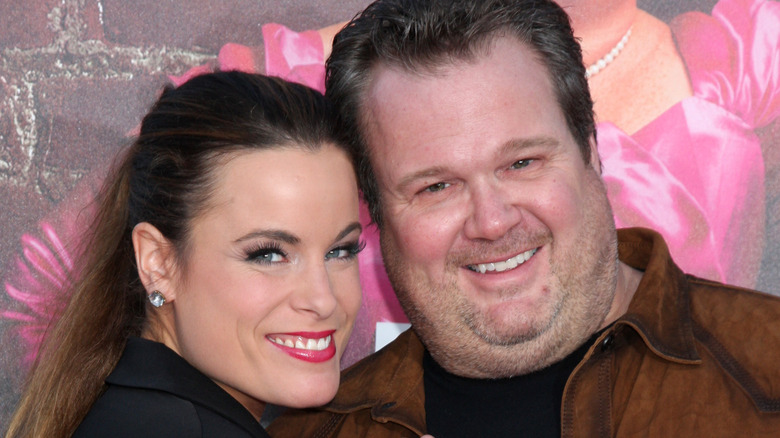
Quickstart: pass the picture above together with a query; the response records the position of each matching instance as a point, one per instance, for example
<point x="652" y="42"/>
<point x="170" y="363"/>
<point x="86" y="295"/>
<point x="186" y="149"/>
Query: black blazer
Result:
<point x="153" y="392"/>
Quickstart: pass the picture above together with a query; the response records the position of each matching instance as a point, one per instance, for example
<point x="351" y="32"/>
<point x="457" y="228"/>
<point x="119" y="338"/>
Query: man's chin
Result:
<point x="514" y="322"/>
<point x="494" y="353"/>
<point x="508" y="334"/>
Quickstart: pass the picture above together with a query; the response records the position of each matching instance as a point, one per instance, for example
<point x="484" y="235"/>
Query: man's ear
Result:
<point x="595" y="160"/>
<point x="155" y="259"/>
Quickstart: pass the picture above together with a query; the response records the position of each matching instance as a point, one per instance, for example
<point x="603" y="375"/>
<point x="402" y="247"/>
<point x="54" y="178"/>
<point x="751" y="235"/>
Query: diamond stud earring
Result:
<point x="156" y="298"/>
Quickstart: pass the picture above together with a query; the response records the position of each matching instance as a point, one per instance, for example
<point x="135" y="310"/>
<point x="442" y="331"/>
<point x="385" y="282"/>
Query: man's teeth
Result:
<point x="305" y="344"/>
<point x="511" y="263"/>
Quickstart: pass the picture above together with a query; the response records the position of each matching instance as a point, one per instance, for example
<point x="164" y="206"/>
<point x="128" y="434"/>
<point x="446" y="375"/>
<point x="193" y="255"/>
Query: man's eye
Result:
<point x="519" y="164"/>
<point x="437" y="187"/>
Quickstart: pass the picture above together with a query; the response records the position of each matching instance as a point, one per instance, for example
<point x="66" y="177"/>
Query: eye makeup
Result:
<point x="347" y="251"/>
<point x="266" y="253"/>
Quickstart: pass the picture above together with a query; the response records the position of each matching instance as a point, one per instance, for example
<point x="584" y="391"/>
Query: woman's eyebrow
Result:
<point x="348" y="229"/>
<point x="272" y="234"/>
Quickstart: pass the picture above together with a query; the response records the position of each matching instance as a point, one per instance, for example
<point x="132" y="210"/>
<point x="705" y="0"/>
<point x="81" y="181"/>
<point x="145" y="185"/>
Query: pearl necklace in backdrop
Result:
<point x="602" y="63"/>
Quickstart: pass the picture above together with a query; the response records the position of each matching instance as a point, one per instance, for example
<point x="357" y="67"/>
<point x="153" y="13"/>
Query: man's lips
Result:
<point x="306" y="346"/>
<point x="504" y="265"/>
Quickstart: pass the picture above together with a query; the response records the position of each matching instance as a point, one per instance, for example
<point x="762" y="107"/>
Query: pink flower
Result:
<point x="43" y="276"/>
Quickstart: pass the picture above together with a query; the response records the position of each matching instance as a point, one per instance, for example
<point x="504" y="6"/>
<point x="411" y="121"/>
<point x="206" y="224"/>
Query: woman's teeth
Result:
<point x="510" y="263"/>
<point x="304" y="343"/>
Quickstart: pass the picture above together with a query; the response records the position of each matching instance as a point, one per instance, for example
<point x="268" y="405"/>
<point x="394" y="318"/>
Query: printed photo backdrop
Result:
<point x="76" y="76"/>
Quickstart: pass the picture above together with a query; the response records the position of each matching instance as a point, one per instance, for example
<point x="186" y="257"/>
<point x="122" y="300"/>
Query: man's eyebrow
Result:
<point x="520" y="144"/>
<point x="272" y="234"/>
<point x="511" y="146"/>
<point x="420" y="174"/>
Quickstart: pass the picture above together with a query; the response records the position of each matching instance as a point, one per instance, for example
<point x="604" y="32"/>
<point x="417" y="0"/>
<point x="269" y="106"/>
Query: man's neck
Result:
<point x="628" y="280"/>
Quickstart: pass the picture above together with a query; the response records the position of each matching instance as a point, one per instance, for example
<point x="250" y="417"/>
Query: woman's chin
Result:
<point x="311" y="397"/>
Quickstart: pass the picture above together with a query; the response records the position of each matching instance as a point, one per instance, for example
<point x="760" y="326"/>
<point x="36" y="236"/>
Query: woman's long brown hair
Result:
<point x="165" y="179"/>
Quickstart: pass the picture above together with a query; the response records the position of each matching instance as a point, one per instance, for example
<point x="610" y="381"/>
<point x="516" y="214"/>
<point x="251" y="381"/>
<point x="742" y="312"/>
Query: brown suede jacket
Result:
<point x="690" y="358"/>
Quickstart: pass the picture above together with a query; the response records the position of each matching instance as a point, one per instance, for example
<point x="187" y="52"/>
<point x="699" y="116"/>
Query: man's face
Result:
<point x="497" y="237"/>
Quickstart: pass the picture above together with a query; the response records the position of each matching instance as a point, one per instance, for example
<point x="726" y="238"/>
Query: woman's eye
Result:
<point x="266" y="256"/>
<point x="519" y="164"/>
<point x="346" y="252"/>
<point x="271" y="257"/>
<point x="337" y="253"/>
<point x="437" y="187"/>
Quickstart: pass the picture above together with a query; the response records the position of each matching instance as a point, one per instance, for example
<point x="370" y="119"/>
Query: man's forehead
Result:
<point x="447" y="65"/>
<point x="504" y="95"/>
<point x="389" y="78"/>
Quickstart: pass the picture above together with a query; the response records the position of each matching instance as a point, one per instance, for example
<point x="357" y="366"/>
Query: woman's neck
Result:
<point x="599" y="24"/>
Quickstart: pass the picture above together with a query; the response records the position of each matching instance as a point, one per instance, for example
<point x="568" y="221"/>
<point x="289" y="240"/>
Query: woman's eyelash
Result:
<point x="358" y="247"/>
<point x="273" y="253"/>
<point x="352" y="249"/>
<point x="265" y="253"/>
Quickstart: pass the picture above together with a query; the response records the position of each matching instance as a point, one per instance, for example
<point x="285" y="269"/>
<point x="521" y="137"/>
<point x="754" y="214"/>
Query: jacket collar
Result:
<point x="151" y="365"/>
<point x="660" y="309"/>
<point x="389" y="383"/>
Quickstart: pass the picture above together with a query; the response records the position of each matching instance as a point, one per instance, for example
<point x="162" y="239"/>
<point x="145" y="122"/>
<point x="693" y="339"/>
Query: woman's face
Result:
<point x="269" y="289"/>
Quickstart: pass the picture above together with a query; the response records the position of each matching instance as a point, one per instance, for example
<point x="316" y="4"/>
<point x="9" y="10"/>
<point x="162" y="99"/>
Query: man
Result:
<point x="475" y="130"/>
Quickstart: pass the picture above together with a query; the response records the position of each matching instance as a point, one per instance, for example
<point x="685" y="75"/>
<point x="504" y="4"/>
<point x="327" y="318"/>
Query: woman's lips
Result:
<point x="307" y="346"/>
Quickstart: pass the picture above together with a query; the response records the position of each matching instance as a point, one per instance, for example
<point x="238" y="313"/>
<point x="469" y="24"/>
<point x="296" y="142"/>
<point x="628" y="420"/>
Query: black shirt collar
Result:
<point x="151" y="365"/>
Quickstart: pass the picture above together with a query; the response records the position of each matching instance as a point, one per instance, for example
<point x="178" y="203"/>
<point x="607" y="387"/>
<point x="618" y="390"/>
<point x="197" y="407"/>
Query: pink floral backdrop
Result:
<point x="76" y="77"/>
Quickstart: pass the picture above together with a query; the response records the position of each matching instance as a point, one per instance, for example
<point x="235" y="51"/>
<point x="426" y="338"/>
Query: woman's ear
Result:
<point x="155" y="259"/>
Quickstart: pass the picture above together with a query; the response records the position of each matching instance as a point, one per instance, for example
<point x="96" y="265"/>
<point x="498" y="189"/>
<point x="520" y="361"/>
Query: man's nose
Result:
<point x="493" y="212"/>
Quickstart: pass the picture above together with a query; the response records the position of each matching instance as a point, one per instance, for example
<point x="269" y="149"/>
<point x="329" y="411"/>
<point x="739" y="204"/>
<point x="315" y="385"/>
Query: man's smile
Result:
<point x="506" y="265"/>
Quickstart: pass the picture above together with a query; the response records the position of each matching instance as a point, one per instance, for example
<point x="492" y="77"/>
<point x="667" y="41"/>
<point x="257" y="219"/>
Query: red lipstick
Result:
<point x="307" y="355"/>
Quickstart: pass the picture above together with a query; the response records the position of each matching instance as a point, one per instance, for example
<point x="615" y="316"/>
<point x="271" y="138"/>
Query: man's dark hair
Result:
<point x="423" y="35"/>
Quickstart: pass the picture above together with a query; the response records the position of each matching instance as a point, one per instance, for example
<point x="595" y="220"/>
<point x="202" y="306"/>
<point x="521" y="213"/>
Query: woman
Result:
<point x="221" y="273"/>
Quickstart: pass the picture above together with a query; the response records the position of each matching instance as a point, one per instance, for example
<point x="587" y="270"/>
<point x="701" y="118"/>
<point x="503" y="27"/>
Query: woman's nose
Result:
<point x="315" y="293"/>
